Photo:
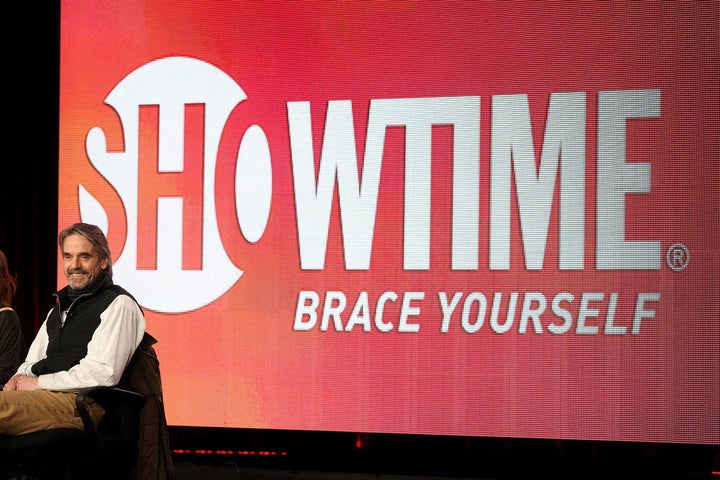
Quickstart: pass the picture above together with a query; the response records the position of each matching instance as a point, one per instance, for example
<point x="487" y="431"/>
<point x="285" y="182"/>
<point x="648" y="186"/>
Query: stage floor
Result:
<point x="188" y="471"/>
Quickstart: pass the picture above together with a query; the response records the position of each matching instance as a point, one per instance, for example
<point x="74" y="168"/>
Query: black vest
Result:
<point x="68" y="342"/>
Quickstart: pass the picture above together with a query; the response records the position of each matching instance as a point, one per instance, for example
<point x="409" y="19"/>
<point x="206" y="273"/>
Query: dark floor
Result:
<point x="264" y="455"/>
<point x="232" y="471"/>
<point x="188" y="471"/>
<point x="346" y="457"/>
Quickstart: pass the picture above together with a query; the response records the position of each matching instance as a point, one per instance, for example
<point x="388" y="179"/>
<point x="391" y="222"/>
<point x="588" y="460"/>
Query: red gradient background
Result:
<point x="662" y="385"/>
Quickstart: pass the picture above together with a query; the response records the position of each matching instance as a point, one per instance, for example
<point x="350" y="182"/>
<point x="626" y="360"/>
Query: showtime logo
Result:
<point x="167" y="185"/>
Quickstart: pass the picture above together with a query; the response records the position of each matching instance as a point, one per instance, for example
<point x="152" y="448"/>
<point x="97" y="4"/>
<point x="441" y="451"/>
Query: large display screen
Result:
<point x="492" y="219"/>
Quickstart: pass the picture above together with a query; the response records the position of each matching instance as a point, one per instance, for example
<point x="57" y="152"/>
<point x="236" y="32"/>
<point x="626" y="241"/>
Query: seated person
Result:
<point x="12" y="342"/>
<point x="86" y="340"/>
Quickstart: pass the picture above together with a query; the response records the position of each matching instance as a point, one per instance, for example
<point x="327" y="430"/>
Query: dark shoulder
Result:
<point x="117" y="290"/>
<point x="8" y="314"/>
<point x="9" y="318"/>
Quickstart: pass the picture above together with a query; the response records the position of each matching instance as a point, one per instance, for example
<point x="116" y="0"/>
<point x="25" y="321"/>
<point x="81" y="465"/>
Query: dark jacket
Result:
<point x="154" y="460"/>
<point x="12" y="344"/>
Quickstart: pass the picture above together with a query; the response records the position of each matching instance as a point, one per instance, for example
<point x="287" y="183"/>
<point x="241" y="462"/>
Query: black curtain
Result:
<point x="31" y="79"/>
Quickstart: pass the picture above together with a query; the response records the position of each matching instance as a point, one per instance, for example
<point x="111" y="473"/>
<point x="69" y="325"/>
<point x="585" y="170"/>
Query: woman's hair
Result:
<point x="7" y="282"/>
<point x="95" y="236"/>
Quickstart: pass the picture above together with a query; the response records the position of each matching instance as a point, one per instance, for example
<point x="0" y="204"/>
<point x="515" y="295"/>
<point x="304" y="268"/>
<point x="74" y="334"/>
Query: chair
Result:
<point x="130" y="443"/>
<point x="108" y="451"/>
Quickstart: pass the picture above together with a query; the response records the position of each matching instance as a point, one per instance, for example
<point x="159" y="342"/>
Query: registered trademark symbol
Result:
<point x="677" y="257"/>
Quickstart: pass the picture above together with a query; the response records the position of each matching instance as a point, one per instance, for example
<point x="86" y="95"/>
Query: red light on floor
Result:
<point x="228" y="452"/>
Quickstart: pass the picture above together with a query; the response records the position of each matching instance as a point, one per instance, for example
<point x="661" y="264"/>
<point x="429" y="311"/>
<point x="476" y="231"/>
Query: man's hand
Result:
<point x="21" y="382"/>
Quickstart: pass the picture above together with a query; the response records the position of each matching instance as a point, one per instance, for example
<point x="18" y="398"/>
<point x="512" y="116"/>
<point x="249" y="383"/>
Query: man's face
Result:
<point x="82" y="263"/>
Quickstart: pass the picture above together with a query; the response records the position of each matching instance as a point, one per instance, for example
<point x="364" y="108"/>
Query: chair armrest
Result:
<point x="114" y="400"/>
<point x="109" y="396"/>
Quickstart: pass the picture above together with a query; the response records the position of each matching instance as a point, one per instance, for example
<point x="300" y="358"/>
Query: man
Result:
<point x="86" y="340"/>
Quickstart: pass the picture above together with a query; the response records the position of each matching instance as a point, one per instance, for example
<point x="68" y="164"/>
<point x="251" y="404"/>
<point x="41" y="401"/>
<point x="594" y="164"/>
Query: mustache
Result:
<point x="76" y="270"/>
